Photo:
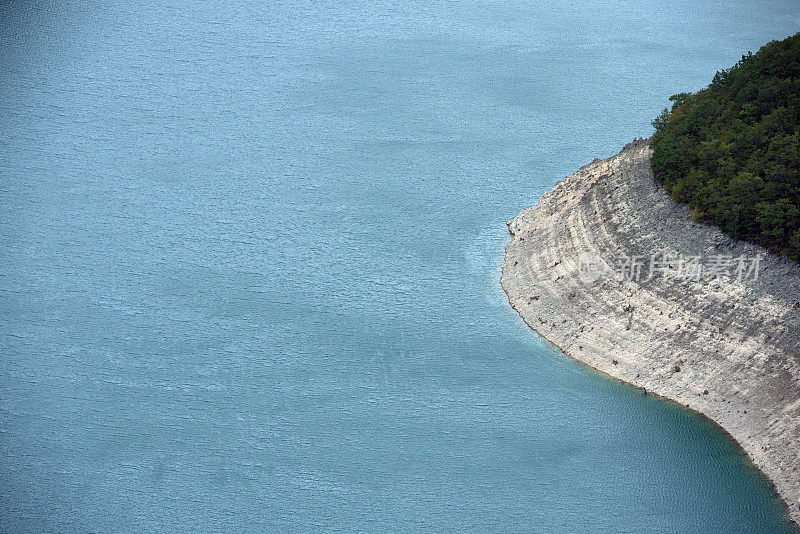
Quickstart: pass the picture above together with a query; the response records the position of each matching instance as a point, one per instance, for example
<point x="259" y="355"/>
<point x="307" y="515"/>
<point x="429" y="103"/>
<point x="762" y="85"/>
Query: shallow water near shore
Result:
<point x="250" y="260"/>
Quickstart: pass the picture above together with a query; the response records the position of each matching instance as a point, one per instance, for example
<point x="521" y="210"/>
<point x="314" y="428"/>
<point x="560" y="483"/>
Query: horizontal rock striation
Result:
<point x="722" y="339"/>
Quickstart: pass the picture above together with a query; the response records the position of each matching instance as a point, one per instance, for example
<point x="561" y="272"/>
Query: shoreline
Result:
<point x="727" y="348"/>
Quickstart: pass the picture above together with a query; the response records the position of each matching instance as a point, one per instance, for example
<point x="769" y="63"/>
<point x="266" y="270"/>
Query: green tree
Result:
<point x="732" y="150"/>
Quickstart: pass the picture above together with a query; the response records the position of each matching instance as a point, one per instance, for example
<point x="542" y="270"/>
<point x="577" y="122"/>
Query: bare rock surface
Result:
<point x="725" y="346"/>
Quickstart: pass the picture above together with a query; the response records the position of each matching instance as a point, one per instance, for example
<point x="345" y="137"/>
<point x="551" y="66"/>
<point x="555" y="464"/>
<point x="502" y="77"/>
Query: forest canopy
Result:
<point x="732" y="150"/>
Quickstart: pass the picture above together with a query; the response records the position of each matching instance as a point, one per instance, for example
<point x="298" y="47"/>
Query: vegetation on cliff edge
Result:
<point x="732" y="150"/>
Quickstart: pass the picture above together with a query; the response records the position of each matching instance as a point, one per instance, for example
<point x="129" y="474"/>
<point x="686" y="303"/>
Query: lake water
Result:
<point x="250" y="257"/>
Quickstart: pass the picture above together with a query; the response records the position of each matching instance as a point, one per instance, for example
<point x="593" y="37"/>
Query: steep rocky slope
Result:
<point x="580" y="269"/>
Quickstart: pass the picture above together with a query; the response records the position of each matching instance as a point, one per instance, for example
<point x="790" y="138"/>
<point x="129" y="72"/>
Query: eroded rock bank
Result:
<point x="605" y="266"/>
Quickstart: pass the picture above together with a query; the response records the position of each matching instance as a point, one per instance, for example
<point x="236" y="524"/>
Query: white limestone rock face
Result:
<point x="726" y="346"/>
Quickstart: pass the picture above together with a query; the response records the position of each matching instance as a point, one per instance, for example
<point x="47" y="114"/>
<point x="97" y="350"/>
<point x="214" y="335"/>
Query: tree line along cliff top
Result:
<point x="732" y="150"/>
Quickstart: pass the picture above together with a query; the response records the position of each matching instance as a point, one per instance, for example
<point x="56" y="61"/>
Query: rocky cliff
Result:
<point x="611" y="270"/>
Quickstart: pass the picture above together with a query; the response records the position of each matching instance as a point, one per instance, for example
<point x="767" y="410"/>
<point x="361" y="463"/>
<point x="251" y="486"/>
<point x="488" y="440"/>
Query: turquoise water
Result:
<point x="250" y="258"/>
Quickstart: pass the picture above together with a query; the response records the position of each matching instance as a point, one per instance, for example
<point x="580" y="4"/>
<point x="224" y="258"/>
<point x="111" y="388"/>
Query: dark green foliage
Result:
<point x="732" y="150"/>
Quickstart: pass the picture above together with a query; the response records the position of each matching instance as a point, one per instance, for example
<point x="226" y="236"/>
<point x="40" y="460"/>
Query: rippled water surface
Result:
<point x="249" y="264"/>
